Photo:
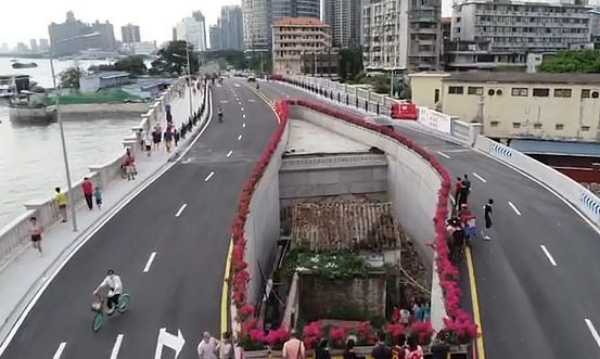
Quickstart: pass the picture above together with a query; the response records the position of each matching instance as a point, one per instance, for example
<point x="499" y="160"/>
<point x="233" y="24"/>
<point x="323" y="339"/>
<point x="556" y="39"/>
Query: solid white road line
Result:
<point x="239" y="137"/>
<point x="59" y="351"/>
<point x="244" y="124"/>
<point x="149" y="263"/>
<point x="592" y="329"/>
<point x="550" y="258"/>
<point x="180" y="210"/>
<point x="116" y="347"/>
<point x="479" y="177"/>
<point x="514" y="208"/>
<point x="209" y="176"/>
<point x="229" y="153"/>
<point x="443" y="154"/>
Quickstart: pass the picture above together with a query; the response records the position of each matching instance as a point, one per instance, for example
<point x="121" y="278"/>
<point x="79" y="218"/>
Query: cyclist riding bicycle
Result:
<point x="111" y="288"/>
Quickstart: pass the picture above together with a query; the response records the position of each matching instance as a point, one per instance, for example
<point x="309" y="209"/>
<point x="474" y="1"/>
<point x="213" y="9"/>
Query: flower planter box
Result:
<point x="255" y="354"/>
<point x="363" y="350"/>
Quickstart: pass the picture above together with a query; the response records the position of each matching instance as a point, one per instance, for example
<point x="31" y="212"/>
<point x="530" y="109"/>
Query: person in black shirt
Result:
<point x="322" y="351"/>
<point x="439" y="349"/>
<point x="466" y="190"/>
<point x="381" y="351"/>
<point x="487" y="210"/>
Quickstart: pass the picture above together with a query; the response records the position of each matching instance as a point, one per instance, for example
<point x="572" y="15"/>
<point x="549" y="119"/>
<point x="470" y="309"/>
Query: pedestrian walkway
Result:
<point x="23" y="276"/>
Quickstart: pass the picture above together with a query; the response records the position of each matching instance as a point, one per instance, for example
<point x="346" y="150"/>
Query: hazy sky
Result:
<point x="22" y="20"/>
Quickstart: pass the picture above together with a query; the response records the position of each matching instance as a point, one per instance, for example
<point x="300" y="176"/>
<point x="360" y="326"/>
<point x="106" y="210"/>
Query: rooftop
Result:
<point x="521" y="77"/>
<point x="299" y="21"/>
<point x="108" y="74"/>
<point x="560" y="148"/>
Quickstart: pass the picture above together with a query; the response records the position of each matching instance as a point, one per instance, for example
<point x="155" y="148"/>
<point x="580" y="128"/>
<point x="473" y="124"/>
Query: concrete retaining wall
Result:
<point x="412" y="187"/>
<point x="263" y="225"/>
<point x="343" y="174"/>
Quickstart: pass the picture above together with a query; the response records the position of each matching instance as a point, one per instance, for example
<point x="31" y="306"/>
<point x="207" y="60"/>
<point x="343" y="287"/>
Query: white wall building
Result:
<point x="193" y="30"/>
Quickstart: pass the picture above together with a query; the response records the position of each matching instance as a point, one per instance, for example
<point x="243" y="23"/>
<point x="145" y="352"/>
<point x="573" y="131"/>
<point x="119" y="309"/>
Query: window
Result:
<point x="541" y="92"/>
<point x="455" y="90"/>
<point x="516" y="124"/>
<point x="475" y="90"/>
<point x="519" y="91"/>
<point x="585" y="128"/>
<point x="494" y="123"/>
<point x="436" y="96"/>
<point x="585" y="93"/>
<point x="562" y="92"/>
<point x="537" y="125"/>
<point x="491" y="92"/>
<point x="595" y="94"/>
<point x="559" y="127"/>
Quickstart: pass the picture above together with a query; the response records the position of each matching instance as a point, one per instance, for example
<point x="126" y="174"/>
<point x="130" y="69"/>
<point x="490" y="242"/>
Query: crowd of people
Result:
<point x="462" y="225"/>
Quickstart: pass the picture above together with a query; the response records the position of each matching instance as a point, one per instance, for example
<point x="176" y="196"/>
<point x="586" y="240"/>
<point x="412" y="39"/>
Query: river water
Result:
<point x="31" y="163"/>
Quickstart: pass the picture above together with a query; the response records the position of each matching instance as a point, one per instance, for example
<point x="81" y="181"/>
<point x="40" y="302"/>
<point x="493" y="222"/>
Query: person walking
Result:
<point x="457" y="192"/>
<point x="399" y="348"/>
<point x="98" y="195"/>
<point x="381" y="351"/>
<point x="487" y="211"/>
<point x="176" y="136"/>
<point x="148" y="144"/>
<point x="293" y="348"/>
<point x="35" y="231"/>
<point x="61" y="202"/>
<point x="466" y="190"/>
<point x="207" y="348"/>
<point x="414" y="349"/>
<point x="168" y="138"/>
<point x="88" y="192"/>
<point x="439" y="348"/>
<point x="225" y="348"/>
<point x="322" y="350"/>
<point x="132" y="169"/>
<point x="349" y="351"/>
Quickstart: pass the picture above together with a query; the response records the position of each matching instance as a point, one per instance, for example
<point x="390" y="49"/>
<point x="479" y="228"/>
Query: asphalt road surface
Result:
<point x="182" y="288"/>
<point x="539" y="277"/>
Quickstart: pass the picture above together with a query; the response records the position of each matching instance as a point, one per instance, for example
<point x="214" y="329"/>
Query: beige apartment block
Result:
<point x="295" y="37"/>
<point x="516" y="105"/>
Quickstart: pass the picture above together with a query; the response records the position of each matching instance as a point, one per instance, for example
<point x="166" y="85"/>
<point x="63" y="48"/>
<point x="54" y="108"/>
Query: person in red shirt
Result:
<point x="88" y="191"/>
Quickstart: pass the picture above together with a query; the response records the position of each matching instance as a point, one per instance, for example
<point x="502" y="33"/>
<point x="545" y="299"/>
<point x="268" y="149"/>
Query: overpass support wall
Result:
<point x="413" y="185"/>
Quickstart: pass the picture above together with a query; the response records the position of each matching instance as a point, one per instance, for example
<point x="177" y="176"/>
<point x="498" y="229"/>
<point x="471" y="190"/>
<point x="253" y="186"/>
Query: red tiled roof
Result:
<point x="299" y="21"/>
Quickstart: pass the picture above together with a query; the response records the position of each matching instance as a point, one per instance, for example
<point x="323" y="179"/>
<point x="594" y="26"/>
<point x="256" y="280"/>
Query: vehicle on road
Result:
<point x="100" y="308"/>
<point x="220" y="113"/>
<point x="251" y="78"/>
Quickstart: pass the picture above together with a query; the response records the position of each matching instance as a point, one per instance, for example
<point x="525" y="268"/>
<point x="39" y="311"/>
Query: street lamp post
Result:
<point x="62" y="139"/>
<point x="187" y="51"/>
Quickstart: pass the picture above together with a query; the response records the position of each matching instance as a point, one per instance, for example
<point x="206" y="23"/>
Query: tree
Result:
<point x="350" y="64"/>
<point x="586" y="61"/>
<point x="70" y="77"/>
<point x="173" y="59"/>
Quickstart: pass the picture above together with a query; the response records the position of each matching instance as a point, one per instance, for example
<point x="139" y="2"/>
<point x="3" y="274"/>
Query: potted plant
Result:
<point x="337" y="339"/>
<point x="275" y="339"/>
<point x="423" y="331"/>
<point x="365" y="338"/>
<point x="312" y="333"/>
<point x="252" y="340"/>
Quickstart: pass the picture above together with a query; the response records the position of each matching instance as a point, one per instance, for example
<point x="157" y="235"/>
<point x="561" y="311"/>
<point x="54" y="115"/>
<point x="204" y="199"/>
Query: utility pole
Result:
<point x="63" y="142"/>
<point x="187" y="51"/>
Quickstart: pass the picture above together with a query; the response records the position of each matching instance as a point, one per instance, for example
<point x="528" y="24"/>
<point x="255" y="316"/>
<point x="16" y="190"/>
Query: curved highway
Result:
<point x="539" y="277"/>
<point x="182" y="288"/>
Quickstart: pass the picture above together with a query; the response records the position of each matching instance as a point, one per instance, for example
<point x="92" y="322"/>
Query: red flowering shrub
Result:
<point x="246" y="311"/>
<point x="337" y="336"/>
<point x="365" y="334"/>
<point x="423" y="331"/>
<point x="394" y="330"/>
<point x="277" y="337"/>
<point x="312" y="334"/>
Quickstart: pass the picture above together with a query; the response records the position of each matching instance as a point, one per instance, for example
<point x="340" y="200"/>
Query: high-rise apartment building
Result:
<point x="344" y="17"/>
<point x="130" y="34"/>
<point x="257" y="24"/>
<point x="401" y="35"/>
<point x="231" y="27"/>
<point x="294" y="38"/>
<point x="193" y="30"/>
<point x="215" y="36"/>
<point x="73" y="36"/>
<point x="44" y="44"/>
<point x="33" y="45"/>
<point x="295" y="8"/>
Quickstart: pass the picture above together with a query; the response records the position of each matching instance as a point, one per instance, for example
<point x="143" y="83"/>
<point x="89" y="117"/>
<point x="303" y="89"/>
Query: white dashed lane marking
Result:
<point x="479" y="177"/>
<point x="210" y="175"/>
<point x="550" y="258"/>
<point x="60" y="350"/>
<point x="115" y="351"/>
<point x="443" y="154"/>
<point x="149" y="263"/>
<point x="229" y="154"/>
<point x="180" y="210"/>
<point x="514" y="208"/>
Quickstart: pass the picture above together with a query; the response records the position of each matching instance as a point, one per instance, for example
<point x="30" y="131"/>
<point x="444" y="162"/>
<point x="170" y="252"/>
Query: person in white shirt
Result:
<point x="207" y="349"/>
<point x="112" y="286"/>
